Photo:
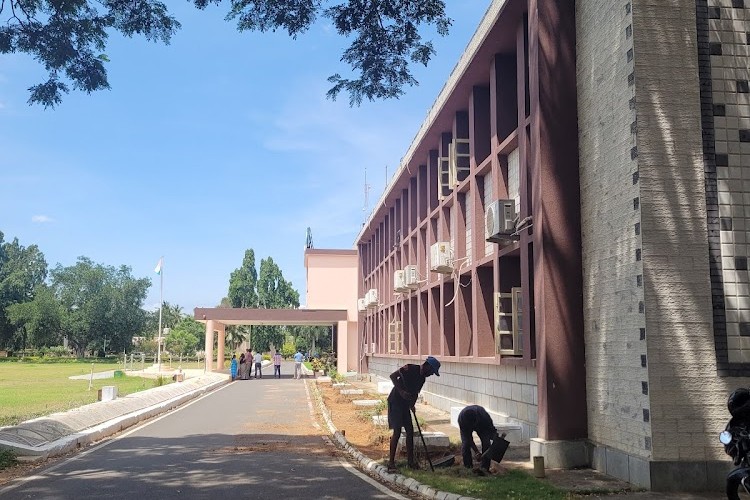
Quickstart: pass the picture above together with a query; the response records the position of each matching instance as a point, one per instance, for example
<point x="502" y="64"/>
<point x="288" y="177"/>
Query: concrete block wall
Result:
<point x="729" y="48"/>
<point x="505" y="389"/>
<point x="688" y="398"/>
<point x="614" y="321"/>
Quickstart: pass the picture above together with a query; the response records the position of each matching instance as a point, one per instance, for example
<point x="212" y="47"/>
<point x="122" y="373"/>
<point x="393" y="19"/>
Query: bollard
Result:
<point x="538" y="467"/>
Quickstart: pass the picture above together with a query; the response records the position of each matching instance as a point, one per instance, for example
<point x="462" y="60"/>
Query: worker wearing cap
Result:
<point x="407" y="382"/>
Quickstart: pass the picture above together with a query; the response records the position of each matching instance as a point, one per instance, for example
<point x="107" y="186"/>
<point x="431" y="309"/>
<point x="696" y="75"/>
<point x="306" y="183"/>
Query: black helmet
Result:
<point x="739" y="402"/>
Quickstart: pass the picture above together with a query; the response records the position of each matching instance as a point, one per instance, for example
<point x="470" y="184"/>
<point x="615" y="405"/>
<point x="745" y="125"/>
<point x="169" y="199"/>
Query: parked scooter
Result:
<point x="736" y="441"/>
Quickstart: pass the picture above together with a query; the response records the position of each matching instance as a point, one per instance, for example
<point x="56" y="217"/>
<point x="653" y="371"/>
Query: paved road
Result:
<point x="249" y="439"/>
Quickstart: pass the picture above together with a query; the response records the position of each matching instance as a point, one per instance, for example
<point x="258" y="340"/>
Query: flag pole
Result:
<point x="161" y="302"/>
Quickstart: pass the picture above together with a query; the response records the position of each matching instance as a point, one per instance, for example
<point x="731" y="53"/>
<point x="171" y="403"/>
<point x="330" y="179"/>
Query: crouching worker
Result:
<point x="473" y="419"/>
<point x="407" y="382"/>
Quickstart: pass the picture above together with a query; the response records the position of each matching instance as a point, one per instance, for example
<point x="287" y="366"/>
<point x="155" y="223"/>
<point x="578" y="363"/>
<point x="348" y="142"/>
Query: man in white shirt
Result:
<point x="258" y="359"/>
<point x="298" y="365"/>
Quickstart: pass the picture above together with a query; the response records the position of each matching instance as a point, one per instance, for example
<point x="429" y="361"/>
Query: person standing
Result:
<point x="233" y="367"/>
<point x="277" y="364"/>
<point x="407" y="382"/>
<point x="258" y="365"/>
<point x="248" y="364"/>
<point x="475" y="418"/>
<point x="298" y="357"/>
<point x="243" y="366"/>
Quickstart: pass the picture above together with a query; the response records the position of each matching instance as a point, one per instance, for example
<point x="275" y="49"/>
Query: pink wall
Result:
<point x="332" y="280"/>
<point x="332" y="284"/>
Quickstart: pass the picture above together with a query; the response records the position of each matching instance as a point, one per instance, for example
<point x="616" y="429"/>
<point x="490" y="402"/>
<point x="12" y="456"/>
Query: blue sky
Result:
<point x="219" y="142"/>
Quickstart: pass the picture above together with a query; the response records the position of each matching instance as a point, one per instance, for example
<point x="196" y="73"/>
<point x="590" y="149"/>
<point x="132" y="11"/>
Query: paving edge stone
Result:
<point x="371" y="465"/>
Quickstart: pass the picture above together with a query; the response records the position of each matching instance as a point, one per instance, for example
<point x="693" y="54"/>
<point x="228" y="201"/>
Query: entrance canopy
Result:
<point x="236" y="316"/>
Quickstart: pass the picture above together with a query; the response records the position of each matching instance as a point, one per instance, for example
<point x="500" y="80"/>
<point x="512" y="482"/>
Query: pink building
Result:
<point x="332" y="284"/>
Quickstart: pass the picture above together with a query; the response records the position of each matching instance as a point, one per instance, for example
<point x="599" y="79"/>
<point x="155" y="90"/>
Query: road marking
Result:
<point x="23" y="480"/>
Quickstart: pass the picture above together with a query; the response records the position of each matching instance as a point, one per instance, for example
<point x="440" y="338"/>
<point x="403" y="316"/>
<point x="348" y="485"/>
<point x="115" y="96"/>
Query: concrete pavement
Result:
<point x="246" y="439"/>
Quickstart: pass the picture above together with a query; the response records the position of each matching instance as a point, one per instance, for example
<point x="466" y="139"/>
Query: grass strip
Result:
<point x="30" y="390"/>
<point x="514" y="485"/>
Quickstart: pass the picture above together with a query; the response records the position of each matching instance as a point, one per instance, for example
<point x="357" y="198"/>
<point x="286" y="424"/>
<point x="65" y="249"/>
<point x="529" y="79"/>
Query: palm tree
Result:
<point x="235" y="336"/>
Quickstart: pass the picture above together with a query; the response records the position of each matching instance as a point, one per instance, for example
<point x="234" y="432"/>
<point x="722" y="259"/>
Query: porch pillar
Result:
<point x="221" y="330"/>
<point x="209" y="348"/>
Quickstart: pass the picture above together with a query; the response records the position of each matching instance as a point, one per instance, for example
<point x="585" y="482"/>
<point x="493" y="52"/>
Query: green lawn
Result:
<point x="515" y="485"/>
<point x="29" y="390"/>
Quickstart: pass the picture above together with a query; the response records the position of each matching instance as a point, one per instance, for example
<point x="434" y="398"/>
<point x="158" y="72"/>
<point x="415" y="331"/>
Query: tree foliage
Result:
<point x="243" y="283"/>
<point x="38" y="320"/>
<point x="264" y="289"/>
<point x="22" y="270"/>
<point x="99" y="303"/>
<point x="313" y="339"/>
<point x="180" y="342"/>
<point x="274" y="292"/>
<point x="68" y="38"/>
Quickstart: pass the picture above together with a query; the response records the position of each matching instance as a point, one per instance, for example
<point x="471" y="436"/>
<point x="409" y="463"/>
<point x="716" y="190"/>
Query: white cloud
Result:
<point x="41" y="219"/>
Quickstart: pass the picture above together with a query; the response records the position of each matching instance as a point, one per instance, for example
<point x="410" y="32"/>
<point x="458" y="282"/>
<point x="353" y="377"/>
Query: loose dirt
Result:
<point x="356" y="423"/>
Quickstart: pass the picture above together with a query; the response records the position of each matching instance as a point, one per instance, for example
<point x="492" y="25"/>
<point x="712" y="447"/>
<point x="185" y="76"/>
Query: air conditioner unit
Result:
<point x="399" y="281"/>
<point x="500" y="221"/>
<point x="411" y="277"/>
<point x="441" y="257"/>
<point x="361" y="306"/>
<point x="371" y="299"/>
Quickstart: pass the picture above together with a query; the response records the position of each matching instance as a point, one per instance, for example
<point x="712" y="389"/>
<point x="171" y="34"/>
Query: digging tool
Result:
<point x="426" y="452"/>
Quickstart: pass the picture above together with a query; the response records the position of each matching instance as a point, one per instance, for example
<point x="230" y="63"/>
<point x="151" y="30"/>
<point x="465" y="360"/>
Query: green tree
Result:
<point x="22" y="270"/>
<point x="313" y="338"/>
<point x="194" y="328"/>
<point x="274" y="292"/>
<point x="69" y="38"/>
<point x="180" y="342"/>
<point x="171" y="316"/>
<point x="243" y="283"/>
<point x="99" y="304"/>
<point x="236" y="335"/>
<point x="288" y="349"/>
<point x="39" y="319"/>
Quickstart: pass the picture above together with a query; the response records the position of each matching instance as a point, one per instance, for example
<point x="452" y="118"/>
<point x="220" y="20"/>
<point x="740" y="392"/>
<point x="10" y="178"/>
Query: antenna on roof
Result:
<point x="309" y="242"/>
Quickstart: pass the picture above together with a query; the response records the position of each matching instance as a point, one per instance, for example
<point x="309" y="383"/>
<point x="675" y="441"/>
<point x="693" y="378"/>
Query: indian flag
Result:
<point x="157" y="269"/>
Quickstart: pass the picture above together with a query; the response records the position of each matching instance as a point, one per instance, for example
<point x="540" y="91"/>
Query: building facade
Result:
<point x="568" y="234"/>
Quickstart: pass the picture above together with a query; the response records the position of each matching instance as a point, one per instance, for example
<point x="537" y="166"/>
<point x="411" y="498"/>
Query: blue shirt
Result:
<point x="298" y="357"/>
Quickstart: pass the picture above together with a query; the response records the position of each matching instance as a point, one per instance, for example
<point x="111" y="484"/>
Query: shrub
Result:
<point x="58" y="351"/>
<point x="7" y="459"/>
<point x="159" y="381"/>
